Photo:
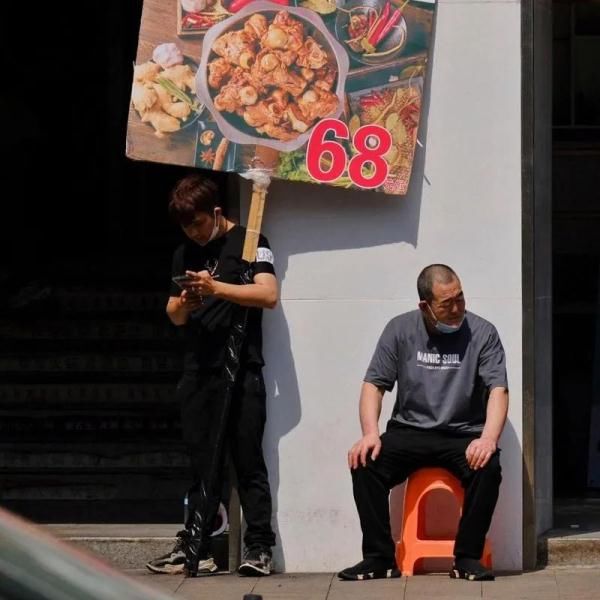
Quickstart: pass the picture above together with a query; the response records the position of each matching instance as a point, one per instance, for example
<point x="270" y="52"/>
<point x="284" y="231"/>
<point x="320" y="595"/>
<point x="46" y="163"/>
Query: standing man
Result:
<point x="450" y="409"/>
<point x="206" y="308"/>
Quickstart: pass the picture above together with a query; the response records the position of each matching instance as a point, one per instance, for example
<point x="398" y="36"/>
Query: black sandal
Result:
<point x="471" y="570"/>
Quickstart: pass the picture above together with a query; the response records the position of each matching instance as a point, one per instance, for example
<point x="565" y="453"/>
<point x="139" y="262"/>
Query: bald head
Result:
<point x="431" y="274"/>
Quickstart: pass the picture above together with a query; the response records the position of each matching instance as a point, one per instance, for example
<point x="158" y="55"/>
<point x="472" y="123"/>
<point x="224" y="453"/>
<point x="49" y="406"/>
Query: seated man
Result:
<point x="450" y="410"/>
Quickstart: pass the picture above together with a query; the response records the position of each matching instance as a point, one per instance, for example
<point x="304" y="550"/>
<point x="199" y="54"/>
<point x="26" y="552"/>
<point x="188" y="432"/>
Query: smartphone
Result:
<point x="183" y="281"/>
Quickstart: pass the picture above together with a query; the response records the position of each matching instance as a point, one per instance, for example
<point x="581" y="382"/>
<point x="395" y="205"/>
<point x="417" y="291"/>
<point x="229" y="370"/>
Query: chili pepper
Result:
<point x="387" y="27"/>
<point x="371" y="99"/>
<point x="238" y="5"/>
<point x="195" y="17"/>
<point x="374" y="24"/>
<point x="372" y="17"/>
<point x="391" y="22"/>
<point x="188" y="19"/>
<point x="366" y="42"/>
<point x="380" y="25"/>
<point x="194" y="21"/>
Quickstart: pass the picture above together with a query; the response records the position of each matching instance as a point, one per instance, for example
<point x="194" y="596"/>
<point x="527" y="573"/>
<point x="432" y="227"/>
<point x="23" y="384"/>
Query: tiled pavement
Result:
<point x="573" y="583"/>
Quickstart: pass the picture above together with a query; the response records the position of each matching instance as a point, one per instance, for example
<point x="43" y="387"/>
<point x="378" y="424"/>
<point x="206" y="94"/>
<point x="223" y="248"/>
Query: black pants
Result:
<point x="406" y="449"/>
<point x="199" y="396"/>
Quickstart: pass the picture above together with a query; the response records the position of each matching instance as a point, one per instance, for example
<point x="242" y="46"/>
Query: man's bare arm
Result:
<point x="371" y="398"/>
<point x="262" y="293"/>
<point x="497" y="410"/>
<point x="180" y="307"/>
<point x="481" y="450"/>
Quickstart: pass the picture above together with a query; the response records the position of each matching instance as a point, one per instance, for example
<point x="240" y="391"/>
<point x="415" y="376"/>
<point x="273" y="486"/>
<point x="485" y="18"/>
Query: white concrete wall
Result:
<point x="348" y="262"/>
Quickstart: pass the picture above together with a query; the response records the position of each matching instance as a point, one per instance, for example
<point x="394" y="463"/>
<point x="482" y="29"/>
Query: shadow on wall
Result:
<point x="283" y="409"/>
<point x="317" y="219"/>
<point x="323" y="220"/>
<point x="510" y="530"/>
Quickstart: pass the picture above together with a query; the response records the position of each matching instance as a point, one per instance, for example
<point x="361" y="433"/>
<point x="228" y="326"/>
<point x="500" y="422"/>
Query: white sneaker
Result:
<point x="173" y="562"/>
<point x="257" y="562"/>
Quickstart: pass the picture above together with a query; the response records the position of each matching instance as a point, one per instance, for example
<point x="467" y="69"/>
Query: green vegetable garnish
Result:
<point x="172" y="89"/>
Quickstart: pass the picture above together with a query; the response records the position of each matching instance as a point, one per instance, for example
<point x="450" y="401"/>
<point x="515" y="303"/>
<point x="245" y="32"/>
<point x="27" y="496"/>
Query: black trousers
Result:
<point x="406" y="449"/>
<point x="199" y="396"/>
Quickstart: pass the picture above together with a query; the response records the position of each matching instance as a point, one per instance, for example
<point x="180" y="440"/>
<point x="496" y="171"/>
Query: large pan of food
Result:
<point x="269" y="75"/>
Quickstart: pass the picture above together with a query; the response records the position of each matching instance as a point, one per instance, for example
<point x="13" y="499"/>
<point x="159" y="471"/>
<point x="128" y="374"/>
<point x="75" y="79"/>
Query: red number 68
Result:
<point x="371" y="143"/>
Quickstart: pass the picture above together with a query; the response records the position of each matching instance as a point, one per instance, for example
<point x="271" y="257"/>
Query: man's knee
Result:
<point x="368" y="476"/>
<point x="492" y="470"/>
<point x="360" y="474"/>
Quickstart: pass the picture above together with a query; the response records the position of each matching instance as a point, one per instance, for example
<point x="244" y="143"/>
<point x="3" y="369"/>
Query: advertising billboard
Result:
<point x="322" y="91"/>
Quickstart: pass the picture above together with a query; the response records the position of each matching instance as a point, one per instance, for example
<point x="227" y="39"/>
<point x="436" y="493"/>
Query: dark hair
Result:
<point x="194" y="193"/>
<point x="430" y="274"/>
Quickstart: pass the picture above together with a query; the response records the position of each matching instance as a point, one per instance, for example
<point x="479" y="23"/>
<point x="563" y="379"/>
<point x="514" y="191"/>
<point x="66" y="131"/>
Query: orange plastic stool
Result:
<point x="413" y="545"/>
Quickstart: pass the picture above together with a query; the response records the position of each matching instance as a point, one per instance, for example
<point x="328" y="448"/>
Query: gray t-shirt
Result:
<point x="444" y="379"/>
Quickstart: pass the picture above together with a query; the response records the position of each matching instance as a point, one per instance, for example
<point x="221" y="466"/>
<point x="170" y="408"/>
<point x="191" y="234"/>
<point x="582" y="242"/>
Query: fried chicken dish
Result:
<point x="155" y="94"/>
<point x="275" y="76"/>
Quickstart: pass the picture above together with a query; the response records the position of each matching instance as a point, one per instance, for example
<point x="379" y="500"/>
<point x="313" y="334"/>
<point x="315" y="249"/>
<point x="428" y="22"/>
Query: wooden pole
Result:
<point x="264" y="163"/>
<point x="255" y="216"/>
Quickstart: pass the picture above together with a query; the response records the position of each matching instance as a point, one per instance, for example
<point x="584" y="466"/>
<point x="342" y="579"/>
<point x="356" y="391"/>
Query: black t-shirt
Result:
<point x="208" y="327"/>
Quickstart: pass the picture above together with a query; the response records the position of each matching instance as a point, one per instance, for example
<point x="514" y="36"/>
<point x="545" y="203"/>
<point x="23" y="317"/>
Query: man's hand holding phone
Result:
<point x="189" y="298"/>
<point x="202" y="282"/>
<point x="185" y="282"/>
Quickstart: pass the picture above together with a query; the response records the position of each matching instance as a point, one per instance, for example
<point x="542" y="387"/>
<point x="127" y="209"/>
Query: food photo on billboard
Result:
<point x="321" y="91"/>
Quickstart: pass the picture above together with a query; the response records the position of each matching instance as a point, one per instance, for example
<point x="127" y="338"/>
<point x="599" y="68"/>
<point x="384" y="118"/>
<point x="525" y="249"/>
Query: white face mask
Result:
<point x="445" y="328"/>
<point x="441" y="327"/>
<point x="215" y="230"/>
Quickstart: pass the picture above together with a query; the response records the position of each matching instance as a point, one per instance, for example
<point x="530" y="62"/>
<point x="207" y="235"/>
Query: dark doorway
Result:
<point x="89" y="431"/>
<point x="576" y="251"/>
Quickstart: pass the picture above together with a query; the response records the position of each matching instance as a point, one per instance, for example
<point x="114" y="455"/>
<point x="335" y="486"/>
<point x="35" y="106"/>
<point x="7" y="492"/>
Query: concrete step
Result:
<point x="69" y="396"/>
<point x="575" y="539"/>
<point x="569" y="547"/>
<point x="92" y="458"/>
<point x="80" y="301"/>
<point x="89" y="328"/>
<point x="119" y="301"/>
<point x="131" y="546"/>
<point x="164" y="362"/>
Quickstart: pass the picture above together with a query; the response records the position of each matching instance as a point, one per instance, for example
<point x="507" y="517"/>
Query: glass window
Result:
<point x="561" y="17"/>
<point x="576" y="70"/>
<point x="561" y="82"/>
<point x="586" y="70"/>
<point x="587" y="18"/>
